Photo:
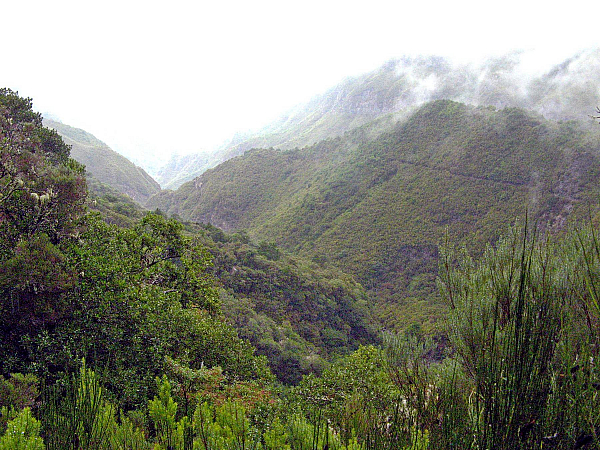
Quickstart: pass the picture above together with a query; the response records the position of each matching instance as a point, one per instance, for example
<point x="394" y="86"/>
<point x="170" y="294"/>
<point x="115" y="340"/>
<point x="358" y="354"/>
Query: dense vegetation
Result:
<point x="378" y="204"/>
<point x="297" y="314"/>
<point x="128" y="300"/>
<point x="115" y="207"/>
<point x="117" y="337"/>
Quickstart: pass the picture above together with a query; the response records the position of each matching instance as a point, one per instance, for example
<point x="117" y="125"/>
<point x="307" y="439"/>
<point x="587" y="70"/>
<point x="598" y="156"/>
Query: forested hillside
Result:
<point x="127" y="300"/>
<point x="121" y="337"/>
<point x="106" y="165"/>
<point x="297" y="314"/>
<point x="378" y="205"/>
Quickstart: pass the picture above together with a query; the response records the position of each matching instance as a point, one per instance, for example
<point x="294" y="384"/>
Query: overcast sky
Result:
<point x="183" y="76"/>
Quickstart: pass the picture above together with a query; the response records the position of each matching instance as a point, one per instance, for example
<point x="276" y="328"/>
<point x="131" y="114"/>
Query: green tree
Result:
<point x="42" y="192"/>
<point x="73" y="287"/>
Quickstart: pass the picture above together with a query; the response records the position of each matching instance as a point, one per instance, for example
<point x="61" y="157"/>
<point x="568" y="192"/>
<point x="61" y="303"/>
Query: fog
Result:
<point x="154" y="79"/>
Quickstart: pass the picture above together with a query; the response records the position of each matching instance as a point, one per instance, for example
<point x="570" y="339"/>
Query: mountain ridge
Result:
<point x="378" y="207"/>
<point x="566" y="91"/>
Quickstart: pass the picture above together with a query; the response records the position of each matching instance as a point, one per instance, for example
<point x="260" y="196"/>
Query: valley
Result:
<point x="409" y="260"/>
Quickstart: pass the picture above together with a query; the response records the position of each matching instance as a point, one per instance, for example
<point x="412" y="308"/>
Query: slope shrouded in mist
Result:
<point x="106" y="165"/>
<point x="180" y="169"/>
<point x="378" y="204"/>
<point x="569" y="90"/>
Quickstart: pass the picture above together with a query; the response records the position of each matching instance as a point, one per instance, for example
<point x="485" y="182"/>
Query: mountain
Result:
<point x="115" y="207"/>
<point x="297" y="314"/>
<point x="106" y="165"/>
<point x="180" y="169"/>
<point x="378" y="204"/>
<point x="567" y="91"/>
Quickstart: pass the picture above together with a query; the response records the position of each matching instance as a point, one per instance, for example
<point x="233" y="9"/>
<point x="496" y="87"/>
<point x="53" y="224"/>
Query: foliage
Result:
<point x="521" y="370"/>
<point x="18" y="392"/>
<point x="42" y="190"/>
<point x="22" y="433"/>
<point x="515" y="369"/>
<point x="116" y="208"/>
<point x="170" y="434"/>
<point x="73" y="286"/>
<point x="377" y="204"/>
<point x="77" y="416"/>
<point x="293" y="311"/>
<point x="526" y="341"/>
<point x="84" y="418"/>
<point x="356" y="394"/>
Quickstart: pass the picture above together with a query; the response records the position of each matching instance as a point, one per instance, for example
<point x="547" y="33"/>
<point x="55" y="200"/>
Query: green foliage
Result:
<point x="306" y="434"/>
<point x="73" y="286"/>
<point x="520" y="372"/>
<point x="42" y="190"/>
<point x="525" y="340"/>
<point x="78" y="416"/>
<point x="226" y="427"/>
<point x="138" y="296"/>
<point x="141" y="306"/>
<point x="377" y="204"/>
<point x="116" y="208"/>
<point x="294" y="312"/>
<point x="19" y="391"/>
<point x="22" y="433"/>
<point x="357" y="396"/>
<point x="170" y="434"/>
<point x="276" y="437"/>
<point x="126" y="436"/>
<point x="34" y="279"/>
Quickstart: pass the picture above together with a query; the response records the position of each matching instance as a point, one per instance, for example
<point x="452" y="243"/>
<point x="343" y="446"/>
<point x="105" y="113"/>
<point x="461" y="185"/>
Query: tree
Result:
<point x="73" y="286"/>
<point x="42" y="195"/>
<point x="42" y="190"/>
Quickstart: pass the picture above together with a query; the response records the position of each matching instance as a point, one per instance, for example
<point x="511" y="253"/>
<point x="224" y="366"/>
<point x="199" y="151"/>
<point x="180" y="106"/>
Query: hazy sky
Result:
<point x="182" y="76"/>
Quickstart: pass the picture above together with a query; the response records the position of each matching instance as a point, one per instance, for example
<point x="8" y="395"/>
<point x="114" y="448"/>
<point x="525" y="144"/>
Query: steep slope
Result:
<point x="298" y="315"/>
<point x="180" y="169"/>
<point x="295" y="313"/>
<point x="379" y="206"/>
<point x="105" y="164"/>
<point x="568" y="91"/>
<point x="115" y="207"/>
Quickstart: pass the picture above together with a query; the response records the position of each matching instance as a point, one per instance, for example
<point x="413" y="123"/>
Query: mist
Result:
<point x="153" y="80"/>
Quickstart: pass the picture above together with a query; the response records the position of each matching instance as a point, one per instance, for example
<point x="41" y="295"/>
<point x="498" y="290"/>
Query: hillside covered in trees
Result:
<point x="377" y="205"/>
<point x="121" y="329"/>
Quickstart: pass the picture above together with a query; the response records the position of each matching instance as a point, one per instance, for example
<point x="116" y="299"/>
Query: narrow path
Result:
<point x="451" y="172"/>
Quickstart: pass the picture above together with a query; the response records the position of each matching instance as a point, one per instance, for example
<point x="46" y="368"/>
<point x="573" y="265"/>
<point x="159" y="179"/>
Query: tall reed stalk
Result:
<point x="515" y="325"/>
